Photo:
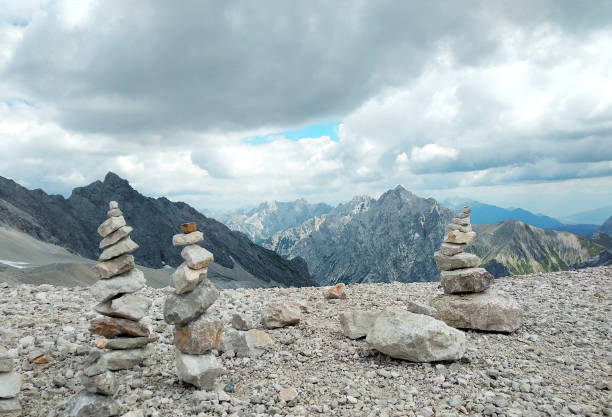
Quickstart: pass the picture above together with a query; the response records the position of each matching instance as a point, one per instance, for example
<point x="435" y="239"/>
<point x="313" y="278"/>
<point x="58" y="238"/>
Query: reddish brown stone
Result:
<point x="199" y="336"/>
<point x="188" y="227"/>
<point x="112" y="327"/>
<point x="42" y="360"/>
<point x="337" y="291"/>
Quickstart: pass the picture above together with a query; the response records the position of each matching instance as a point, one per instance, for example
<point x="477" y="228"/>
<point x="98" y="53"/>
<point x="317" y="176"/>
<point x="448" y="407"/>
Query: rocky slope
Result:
<point x="524" y="249"/>
<point x="271" y="217"/>
<point x="392" y="238"/>
<point x="556" y="364"/>
<point x="72" y="223"/>
<point x="606" y="227"/>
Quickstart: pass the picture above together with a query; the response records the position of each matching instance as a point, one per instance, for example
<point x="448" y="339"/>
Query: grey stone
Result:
<point x="456" y="236"/>
<point x="114" y="267"/>
<point x="183" y="239"/>
<point x="115" y="237"/>
<point x="10" y="407"/>
<point x="462" y="221"/>
<point x="458" y="261"/>
<point x="125" y="359"/>
<point x="127" y="282"/>
<point x="10" y="384"/>
<point x="110" y="225"/>
<point x="113" y="205"/>
<point x="415" y="337"/>
<point x="490" y="311"/>
<point x="125" y="245"/>
<point x="465" y="280"/>
<point x="104" y="383"/>
<point x="196" y="256"/>
<point x="243" y="322"/>
<point x="450" y="249"/>
<point x="94" y="363"/>
<point x="6" y="365"/>
<point x="185" y="279"/>
<point x="252" y="343"/>
<point x="87" y="404"/>
<point x="128" y="306"/>
<point x="123" y="343"/>
<point x="465" y="229"/>
<point x="418" y="308"/>
<point x="280" y="315"/>
<point x="356" y="324"/>
<point x="199" y="370"/>
<point x="183" y="308"/>
<point x="198" y="336"/>
<point x="114" y="213"/>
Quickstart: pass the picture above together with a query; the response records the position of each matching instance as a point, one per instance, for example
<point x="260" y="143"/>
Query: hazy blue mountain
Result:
<point x="270" y="217"/>
<point x="392" y="238"/>
<point x="606" y="227"/>
<point x="595" y="216"/>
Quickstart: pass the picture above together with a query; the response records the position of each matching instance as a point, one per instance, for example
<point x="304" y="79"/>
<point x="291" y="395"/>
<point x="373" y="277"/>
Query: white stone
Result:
<point x="183" y="239"/>
<point x="356" y="324"/>
<point x="201" y="371"/>
<point x="10" y="384"/>
<point x="128" y="282"/>
<point x="196" y="256"/>
<point x="110" y="225"/>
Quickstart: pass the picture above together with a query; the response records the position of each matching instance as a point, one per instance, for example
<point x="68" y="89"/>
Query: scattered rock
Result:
<point x="288" y="394"/>
<point x="87" y="404"/>
<point x="280" y="315"/>
<point x="335" y="292"/>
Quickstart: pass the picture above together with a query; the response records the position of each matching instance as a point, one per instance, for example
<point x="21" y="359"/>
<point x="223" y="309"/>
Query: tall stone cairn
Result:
<point x="10" y="385"/>
<point x="122" y="340"/>
<point x="468" y="302"/>
<point x="196" y="334"/>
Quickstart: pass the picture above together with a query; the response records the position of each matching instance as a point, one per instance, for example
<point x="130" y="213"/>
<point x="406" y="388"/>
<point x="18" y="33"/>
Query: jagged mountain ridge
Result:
<point x="525" y="249"/>
<point x="72" y="223"/>
<point x="270" y="217"/>
<point x="606" y="227"/>
<point x="388" y="239"/>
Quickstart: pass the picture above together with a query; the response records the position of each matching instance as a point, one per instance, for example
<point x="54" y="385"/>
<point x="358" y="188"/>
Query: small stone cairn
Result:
<point x="10" y="385"/>
<point x="123" y="339"/>
<point x="195" y="333"/>
<point x="467" y="302"/>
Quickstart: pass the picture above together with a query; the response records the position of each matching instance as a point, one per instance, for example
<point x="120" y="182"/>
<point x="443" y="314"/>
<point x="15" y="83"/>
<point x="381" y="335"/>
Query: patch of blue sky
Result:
<point x="315" y="130"/>
<point x="19" y="22"/>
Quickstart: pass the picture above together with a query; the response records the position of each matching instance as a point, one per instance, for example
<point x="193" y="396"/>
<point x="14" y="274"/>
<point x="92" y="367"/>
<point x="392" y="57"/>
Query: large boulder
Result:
<point x="415" y="337"/>
<point x="490" y="310"/>
<point x="87" y="404"/>
<point x="465" y="280"/>
<point x="199" y="336"/>
<point x="183" y="308"/>
<point x="356" y="324"/>
<point x="280" y="315"/>
<point x="105" y="289"/>
<point x="199" y="370"/>
<point x="458" y="261"/>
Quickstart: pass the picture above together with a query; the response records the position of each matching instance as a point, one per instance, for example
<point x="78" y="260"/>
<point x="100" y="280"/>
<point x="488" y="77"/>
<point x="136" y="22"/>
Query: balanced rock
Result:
<point x="188" y="227"/>
<point x="356" y="324"/>
<point x="199" y="336"/>
<point x="182" y="308"/>
<point x="465" y="280"/>
<point x="10" y="407"/>
<point x="123" y="343"/>
<point x="113" y="205"/>
<point x="450" y="249"/>
<point x="462" y="221"/>
<point x="127" y="282"/>
<point x="128" y="306"/>
<point x="335" y="292"/>
<point x="280" y="315"/>
<point x="116" y="266"/>
<point x="104" y="383"/>
<point x="187" y="238"/>
<point x="110" y="225"/>
<point x="465" y="229"/>
<point x="490" y="310"/>
<point x="199" y="370"/>
<point x="116" y="212"/>
<point x="87" y="404"/>
<point x="113" y="327"/>
<point x="10" y="384"/>
<point x="115" y="237"/>
<point x="415" y="337"/>
<point x="125" y="245"/>
<point x="125" y="359"/>
<point x="458" y="261"/>
<point x="185" y="279"/>
<point x="456" y="236"/>
<point x="196" y="256"/>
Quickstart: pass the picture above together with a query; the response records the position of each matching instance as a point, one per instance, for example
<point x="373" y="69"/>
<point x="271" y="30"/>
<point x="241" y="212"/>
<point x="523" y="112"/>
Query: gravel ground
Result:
<point x="558" y="363"/>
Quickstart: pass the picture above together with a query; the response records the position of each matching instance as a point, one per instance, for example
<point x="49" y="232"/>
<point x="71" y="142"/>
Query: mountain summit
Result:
<point x="72" y="223"/>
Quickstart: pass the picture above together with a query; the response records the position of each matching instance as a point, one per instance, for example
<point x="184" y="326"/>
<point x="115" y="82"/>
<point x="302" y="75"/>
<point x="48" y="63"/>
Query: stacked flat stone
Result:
<point x="196" y="334"/>
<point x="123" y="340"/>
<point x="10" y="385"/>
<point x="467" y="302"/>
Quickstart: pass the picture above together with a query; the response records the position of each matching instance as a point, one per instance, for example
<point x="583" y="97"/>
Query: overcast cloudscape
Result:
<point x="508" y="102"/>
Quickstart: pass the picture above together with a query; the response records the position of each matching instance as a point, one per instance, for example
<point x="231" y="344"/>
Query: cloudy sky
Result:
<point x="226" y="104"/>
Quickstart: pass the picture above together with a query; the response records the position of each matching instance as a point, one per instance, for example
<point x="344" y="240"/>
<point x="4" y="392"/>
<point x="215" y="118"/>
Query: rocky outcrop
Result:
<point x="71" y="222"/>
<point x="388" y="239"/>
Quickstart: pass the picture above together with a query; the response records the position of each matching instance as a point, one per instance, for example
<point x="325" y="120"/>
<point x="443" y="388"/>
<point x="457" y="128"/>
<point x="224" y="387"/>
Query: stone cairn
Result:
<point x="196" y="334"/>
<point x="467" y="302"/>
<point x="10" y="385"/>
<point x="123" y="339"/>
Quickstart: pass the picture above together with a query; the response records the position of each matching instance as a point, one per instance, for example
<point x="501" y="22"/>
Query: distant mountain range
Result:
<point x="483" y="213"/>
<point x="271" y="217"/>
<point x="595" y="216"/>
<point x="388" y="239"/>
<point x="72" y="223"/>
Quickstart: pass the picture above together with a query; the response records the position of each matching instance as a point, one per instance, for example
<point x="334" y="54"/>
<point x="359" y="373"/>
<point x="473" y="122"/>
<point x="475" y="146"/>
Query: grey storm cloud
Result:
<point x="140" y="67"/>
